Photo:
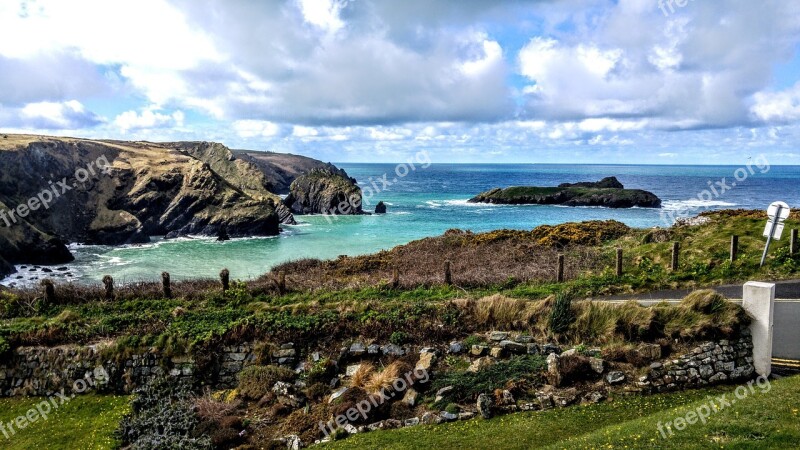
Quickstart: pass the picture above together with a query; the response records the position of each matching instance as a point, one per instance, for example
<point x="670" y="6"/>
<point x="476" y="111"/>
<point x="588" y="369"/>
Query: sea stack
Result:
<point x="380" y="208"/>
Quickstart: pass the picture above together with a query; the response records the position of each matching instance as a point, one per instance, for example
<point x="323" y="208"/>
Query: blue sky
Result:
<point x="572" y="81"/>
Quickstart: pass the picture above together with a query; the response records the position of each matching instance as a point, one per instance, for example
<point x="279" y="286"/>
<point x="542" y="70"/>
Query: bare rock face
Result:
<point x="115" y="192"/>
<point x="380" y="208"/>
<point x="325" y="191"/>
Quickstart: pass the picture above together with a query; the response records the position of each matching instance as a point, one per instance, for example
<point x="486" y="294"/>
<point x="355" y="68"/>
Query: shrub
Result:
<point x="256" y="381"/>
<point x="562" y="316"/>
<point x="162" y="416"/>
<point x="398" y="338"/>
<point x="468" y="385"/>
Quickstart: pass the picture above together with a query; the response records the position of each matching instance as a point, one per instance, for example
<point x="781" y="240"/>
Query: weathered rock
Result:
<point x="426" y="361"/>
<point x="498" y="336"/>
<point x="430" y="418"/>
<point x="441" y="392"/>
<point x="554" y="369"/>
<point x="448" y="417"/>
<point x="325" y="191"/>
<point x="514" y="347"/>
<point x="597" y="365"/>
<point x="496" y="352"/>
<point x="392" y="350"/>
<point x="455" y="348"/>
<point x="337" y="394"/>
<point x="380" y="208"/>
<point x="485" y="405"/>
<point x="649" y="352"/>
<point x="615" y="377"/>
<point x="357" y="349"/>
<point x="478" y="350"/>
<point x="410" y="397"/>
<point x="480" y="363"/>
<point x="551" y="348"/>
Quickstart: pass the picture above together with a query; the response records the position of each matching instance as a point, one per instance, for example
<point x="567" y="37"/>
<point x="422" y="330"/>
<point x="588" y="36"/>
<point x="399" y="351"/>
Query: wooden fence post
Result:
<point x="224" y="278"/>
<point x="49" y="292"/>
<point x="676" y="248"/>
<point x="108" y="282"/>
<point x="395" y="278"/>
<point x="734" y="247"/>
<point x="448" y="276"/>
<point x="560" y="269"/>
<point x="165" y="284"/>
<point x="619" y="262"/>
<point x="793" y="243"/>
<point x="282" y="282"/>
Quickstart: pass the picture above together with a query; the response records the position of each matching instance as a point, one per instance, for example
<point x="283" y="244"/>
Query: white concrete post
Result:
<point x="758" y="300"/>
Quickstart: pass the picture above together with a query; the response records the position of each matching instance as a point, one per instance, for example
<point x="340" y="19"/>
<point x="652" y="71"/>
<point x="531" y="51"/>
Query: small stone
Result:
<point x="441" y="392"/>
<point x="498" y="336"/>
<point x="514" y="347"/>
<point x="448" y="417"/>
<point x="594" y="397"/>
<point x="357" y="349"/>
<point x="570" y="352"/>
<point x="496" y="352"/>
<point x="392" y="350"/>
<point x="455" y="347"/>
<point x="466" y="415"/>
<point x="430" y="418"/>
<point x="524" y="338"/>
<point x="426" y="361"/>
<point x="351" y="370"/>
<point x="337" y="394"/>
<point x="484" y="406"/>
<point x="410" y="397"/>
<point x="533" y="349"/>
<point x="551" y="348"/>
<point x="412" y="422"/>
<point x="373" y="349"/>
<point x="615" y="377"/>
<point x="597" y="365"/>
<point x="480" y="363"/>
<point x="478" y="350"/>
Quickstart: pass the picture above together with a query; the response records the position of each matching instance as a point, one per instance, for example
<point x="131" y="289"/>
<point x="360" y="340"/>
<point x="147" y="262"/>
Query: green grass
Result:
<point x="85" y="422"/>
<point x="761" y="420"/>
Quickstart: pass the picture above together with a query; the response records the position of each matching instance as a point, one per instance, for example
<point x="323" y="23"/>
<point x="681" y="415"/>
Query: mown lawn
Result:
<point x="85" y="422"/>
<point x="763" y="419"/>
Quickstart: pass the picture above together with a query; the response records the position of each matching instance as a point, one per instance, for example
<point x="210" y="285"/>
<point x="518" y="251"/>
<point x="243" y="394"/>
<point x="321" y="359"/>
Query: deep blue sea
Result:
<point x="426" y="201"/>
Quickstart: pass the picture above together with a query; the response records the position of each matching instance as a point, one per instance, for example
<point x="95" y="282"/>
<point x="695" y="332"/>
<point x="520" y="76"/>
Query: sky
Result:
<point x="516" y="81"/>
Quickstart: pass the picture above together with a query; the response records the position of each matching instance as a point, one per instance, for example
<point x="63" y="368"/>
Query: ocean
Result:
<point x="428" y="199"/>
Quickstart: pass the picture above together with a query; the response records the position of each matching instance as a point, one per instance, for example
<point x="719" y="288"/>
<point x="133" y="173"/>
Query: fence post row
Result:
<point x="448" y="276"/>
<point x="734" y="247"/>
<point x="560" y="269"/>
<point x="619" y="262"/>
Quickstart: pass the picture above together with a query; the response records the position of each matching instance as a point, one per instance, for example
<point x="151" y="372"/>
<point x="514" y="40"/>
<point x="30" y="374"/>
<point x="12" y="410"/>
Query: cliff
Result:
<point x="608" y="192"/>
<point x="325" y="191"/>
<point x="116" y="192"/>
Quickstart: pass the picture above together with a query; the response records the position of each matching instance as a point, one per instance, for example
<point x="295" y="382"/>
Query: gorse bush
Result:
<point x="562" y="316"/>
<point x="163" y="416"/>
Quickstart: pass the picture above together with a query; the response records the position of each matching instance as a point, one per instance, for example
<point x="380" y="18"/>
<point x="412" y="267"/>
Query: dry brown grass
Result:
<point x="213" y="410"/>
<point x="362" y="375"/>
<point x="384" y="379"/>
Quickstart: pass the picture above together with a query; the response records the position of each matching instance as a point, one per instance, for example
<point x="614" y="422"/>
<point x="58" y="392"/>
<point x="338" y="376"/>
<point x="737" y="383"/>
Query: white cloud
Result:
<point x="149" y="118"/>
<point x="783" y="106"/>
<point x="67" y="115"/>
<point x="254" y="128"/>
<point x="323" y="13"/>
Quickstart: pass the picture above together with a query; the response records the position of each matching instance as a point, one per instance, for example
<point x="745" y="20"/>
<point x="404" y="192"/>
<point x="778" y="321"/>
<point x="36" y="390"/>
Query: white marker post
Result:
<point x="778" y="212"/>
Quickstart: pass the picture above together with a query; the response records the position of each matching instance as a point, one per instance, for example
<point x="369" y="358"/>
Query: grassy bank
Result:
<point x="352" y="295"/>
<point x="761" y="420"/>
<point x="85" y="422"/>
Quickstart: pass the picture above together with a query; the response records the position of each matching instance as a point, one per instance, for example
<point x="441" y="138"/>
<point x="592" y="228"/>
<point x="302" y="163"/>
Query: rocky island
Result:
<point x="55" y="191"/>
<point x="608" y="192"/>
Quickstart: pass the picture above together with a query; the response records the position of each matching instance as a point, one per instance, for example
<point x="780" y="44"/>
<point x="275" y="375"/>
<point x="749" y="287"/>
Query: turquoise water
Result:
<point x="427" y="202"/>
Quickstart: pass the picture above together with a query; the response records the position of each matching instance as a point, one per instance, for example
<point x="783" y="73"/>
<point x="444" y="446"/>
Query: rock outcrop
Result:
<point x="380" y="208"/>
<point x="608" y="192"/>
<point x="325" y="191"/>
<point x="115" y="192"/>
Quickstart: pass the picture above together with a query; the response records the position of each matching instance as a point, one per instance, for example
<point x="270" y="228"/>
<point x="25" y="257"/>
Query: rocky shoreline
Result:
<point x="608" y="192"/>
<point x="116" y="192"/>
